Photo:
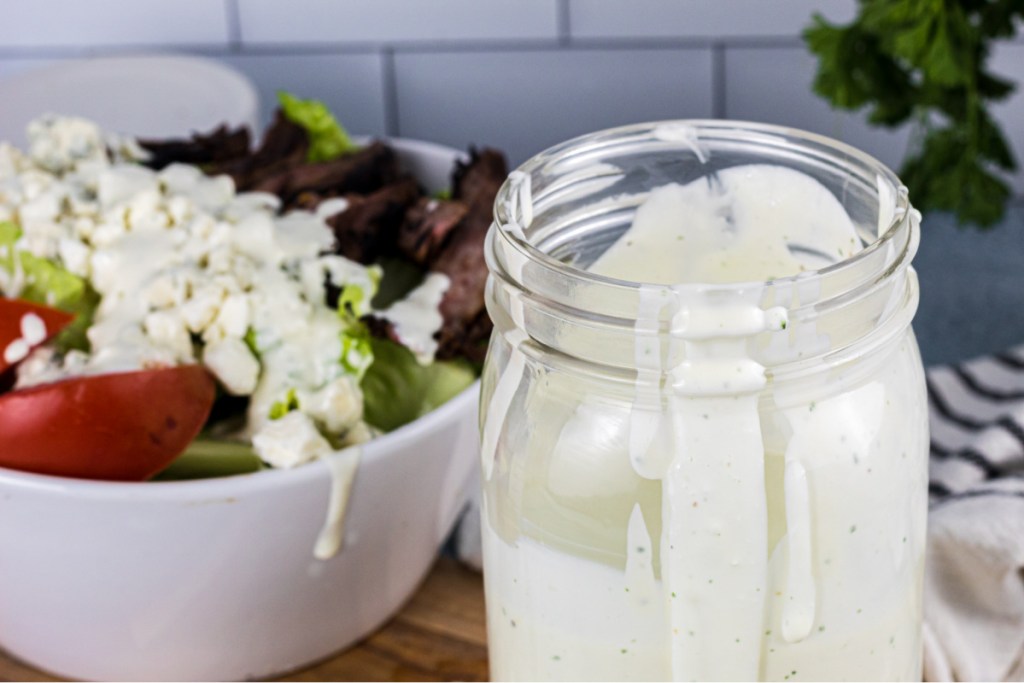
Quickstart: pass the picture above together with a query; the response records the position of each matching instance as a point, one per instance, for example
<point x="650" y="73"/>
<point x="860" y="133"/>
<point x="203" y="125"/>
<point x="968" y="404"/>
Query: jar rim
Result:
<point x="511" y="230"/>
<point x="873" y="292"/>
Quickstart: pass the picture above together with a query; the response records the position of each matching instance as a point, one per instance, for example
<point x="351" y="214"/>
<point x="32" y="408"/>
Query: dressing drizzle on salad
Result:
<point x="189" y="271"/>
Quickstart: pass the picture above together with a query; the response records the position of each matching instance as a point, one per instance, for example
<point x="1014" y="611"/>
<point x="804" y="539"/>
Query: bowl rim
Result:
<point x="377" y="449"/>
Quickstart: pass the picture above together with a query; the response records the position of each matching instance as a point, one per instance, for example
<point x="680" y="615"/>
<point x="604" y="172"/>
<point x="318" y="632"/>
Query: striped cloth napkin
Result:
<point x="974" y="583"/>
<point x="974" y="575"/>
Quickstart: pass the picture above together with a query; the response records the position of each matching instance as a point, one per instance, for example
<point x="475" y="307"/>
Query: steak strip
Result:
<point x="219" y="145"/>
<point x="466" y="324"/>
<point x="427" y="226"/>
<point x="368" y="228"/>
<point x="284" y="145"/>
<point x="362" y="172"/>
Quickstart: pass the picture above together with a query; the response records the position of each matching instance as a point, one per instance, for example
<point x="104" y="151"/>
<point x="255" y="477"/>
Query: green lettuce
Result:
<point x="356" y="350"/>
<point x="399" y="277"/>
<point x="47" y="283"/>
<point x="205" y="458"/>
<point x="281" y="408"/>
<point x="397" y="389"/>
<point x="327" y="139"/>
<point x="251" y="341"/>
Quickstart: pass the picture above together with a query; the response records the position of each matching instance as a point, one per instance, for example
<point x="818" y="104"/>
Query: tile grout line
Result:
<point x="563" y="22"/>
<point x="564" y="39"/>
<point x="420" y="47"/>
<point x="234" y="18"/>
<point x="389" y="84"/>
<point x="719" y="110"/>
<point x="219" y="49"/>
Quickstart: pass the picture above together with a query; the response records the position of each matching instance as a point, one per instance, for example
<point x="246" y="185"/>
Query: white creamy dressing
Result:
<point x="417" y="317"/>
<point x="684" y="133"/>
<point x="740" y="227"/>
<point x="343" y="465"/>
<point x="738" y="595"/>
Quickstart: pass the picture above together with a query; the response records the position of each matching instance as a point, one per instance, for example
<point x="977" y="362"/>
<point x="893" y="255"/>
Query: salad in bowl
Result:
<point x="237" y="390"/>
<point x="188" y="308"/>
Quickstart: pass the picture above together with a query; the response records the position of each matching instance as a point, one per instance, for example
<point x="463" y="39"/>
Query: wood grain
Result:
<point x="439" y="636"/>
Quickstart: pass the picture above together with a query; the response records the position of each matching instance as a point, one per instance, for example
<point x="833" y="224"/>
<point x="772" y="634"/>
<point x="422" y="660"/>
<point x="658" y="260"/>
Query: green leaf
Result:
<point x="997" y="17"/>
<point x="351" y="302"/>
<point x="9" y="235"/>
<point x="942" y="176"/>
<point x="47" y="283"/>
<point x="356" y="350"/>
<point x="980" y="196"/>
<point x="400" y="276"/>
<point x="834" y="46"/>
<point x="944" y="61"/>
<point x="281" y="408"/>
<point x="327" y="139"/>
<point x="397" y="389"/>
<point x="992" y="145"/>
<point x="925" y="61"/>
<point x="206" y="459"/>
<point x="994" y="88"/>
<point x="251" y="342"/>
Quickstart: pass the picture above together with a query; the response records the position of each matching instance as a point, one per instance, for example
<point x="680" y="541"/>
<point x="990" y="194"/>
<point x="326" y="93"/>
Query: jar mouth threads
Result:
<point x="573" y="169"/>
<point x="564" y="207"/>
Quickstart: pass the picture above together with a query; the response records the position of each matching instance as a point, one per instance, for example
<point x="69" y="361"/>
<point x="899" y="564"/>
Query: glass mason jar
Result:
<point x="705" y="481"/>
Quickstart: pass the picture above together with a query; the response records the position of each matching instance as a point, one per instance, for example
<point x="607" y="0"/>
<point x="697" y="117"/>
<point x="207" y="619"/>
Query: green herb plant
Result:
<point x="925" y="61"/>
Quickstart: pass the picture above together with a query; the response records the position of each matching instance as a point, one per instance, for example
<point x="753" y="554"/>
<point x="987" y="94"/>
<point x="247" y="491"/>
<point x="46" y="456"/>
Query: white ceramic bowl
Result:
<point x="142" y="95"/>
<point x="215" y="579"/>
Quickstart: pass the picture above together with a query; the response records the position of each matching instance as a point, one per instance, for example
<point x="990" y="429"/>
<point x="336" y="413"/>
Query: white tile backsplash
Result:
<point x="375" y="21"/>
<point x="525" y="101"/>
<point x="699" y="18"/>
<point x="40" y="24"/>
<point x="350" y="85"/>
<point x="773" y="85"/>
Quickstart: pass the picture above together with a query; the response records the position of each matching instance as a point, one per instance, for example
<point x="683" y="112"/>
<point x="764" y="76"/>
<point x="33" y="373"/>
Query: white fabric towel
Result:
<point x="974" y="582"/>
<point x="974" y="573"/>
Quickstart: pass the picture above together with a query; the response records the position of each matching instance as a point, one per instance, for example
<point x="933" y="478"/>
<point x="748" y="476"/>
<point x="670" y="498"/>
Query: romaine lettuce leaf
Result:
<point x="399" y="278"/>
<point x="206" y="458"/>
<point x="281" y="408"/>
<point x="356" y="351"/>
<point x="397" y="389"/>
<point x="47" y="283"/>
<point x="327" y="139"/>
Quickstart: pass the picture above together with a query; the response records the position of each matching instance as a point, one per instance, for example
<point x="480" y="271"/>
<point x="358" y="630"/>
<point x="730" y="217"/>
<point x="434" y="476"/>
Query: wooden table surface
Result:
<point x="439" y="636"/>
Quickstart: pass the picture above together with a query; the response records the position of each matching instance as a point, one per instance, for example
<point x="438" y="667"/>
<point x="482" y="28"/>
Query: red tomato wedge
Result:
<point x="24" y="326"/>
<point x="123" y="426"/>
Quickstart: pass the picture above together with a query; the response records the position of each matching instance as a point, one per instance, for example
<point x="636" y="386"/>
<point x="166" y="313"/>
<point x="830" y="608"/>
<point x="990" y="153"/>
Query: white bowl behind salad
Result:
<point x="216" y="579"/>
<point x="118" y="93"/>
